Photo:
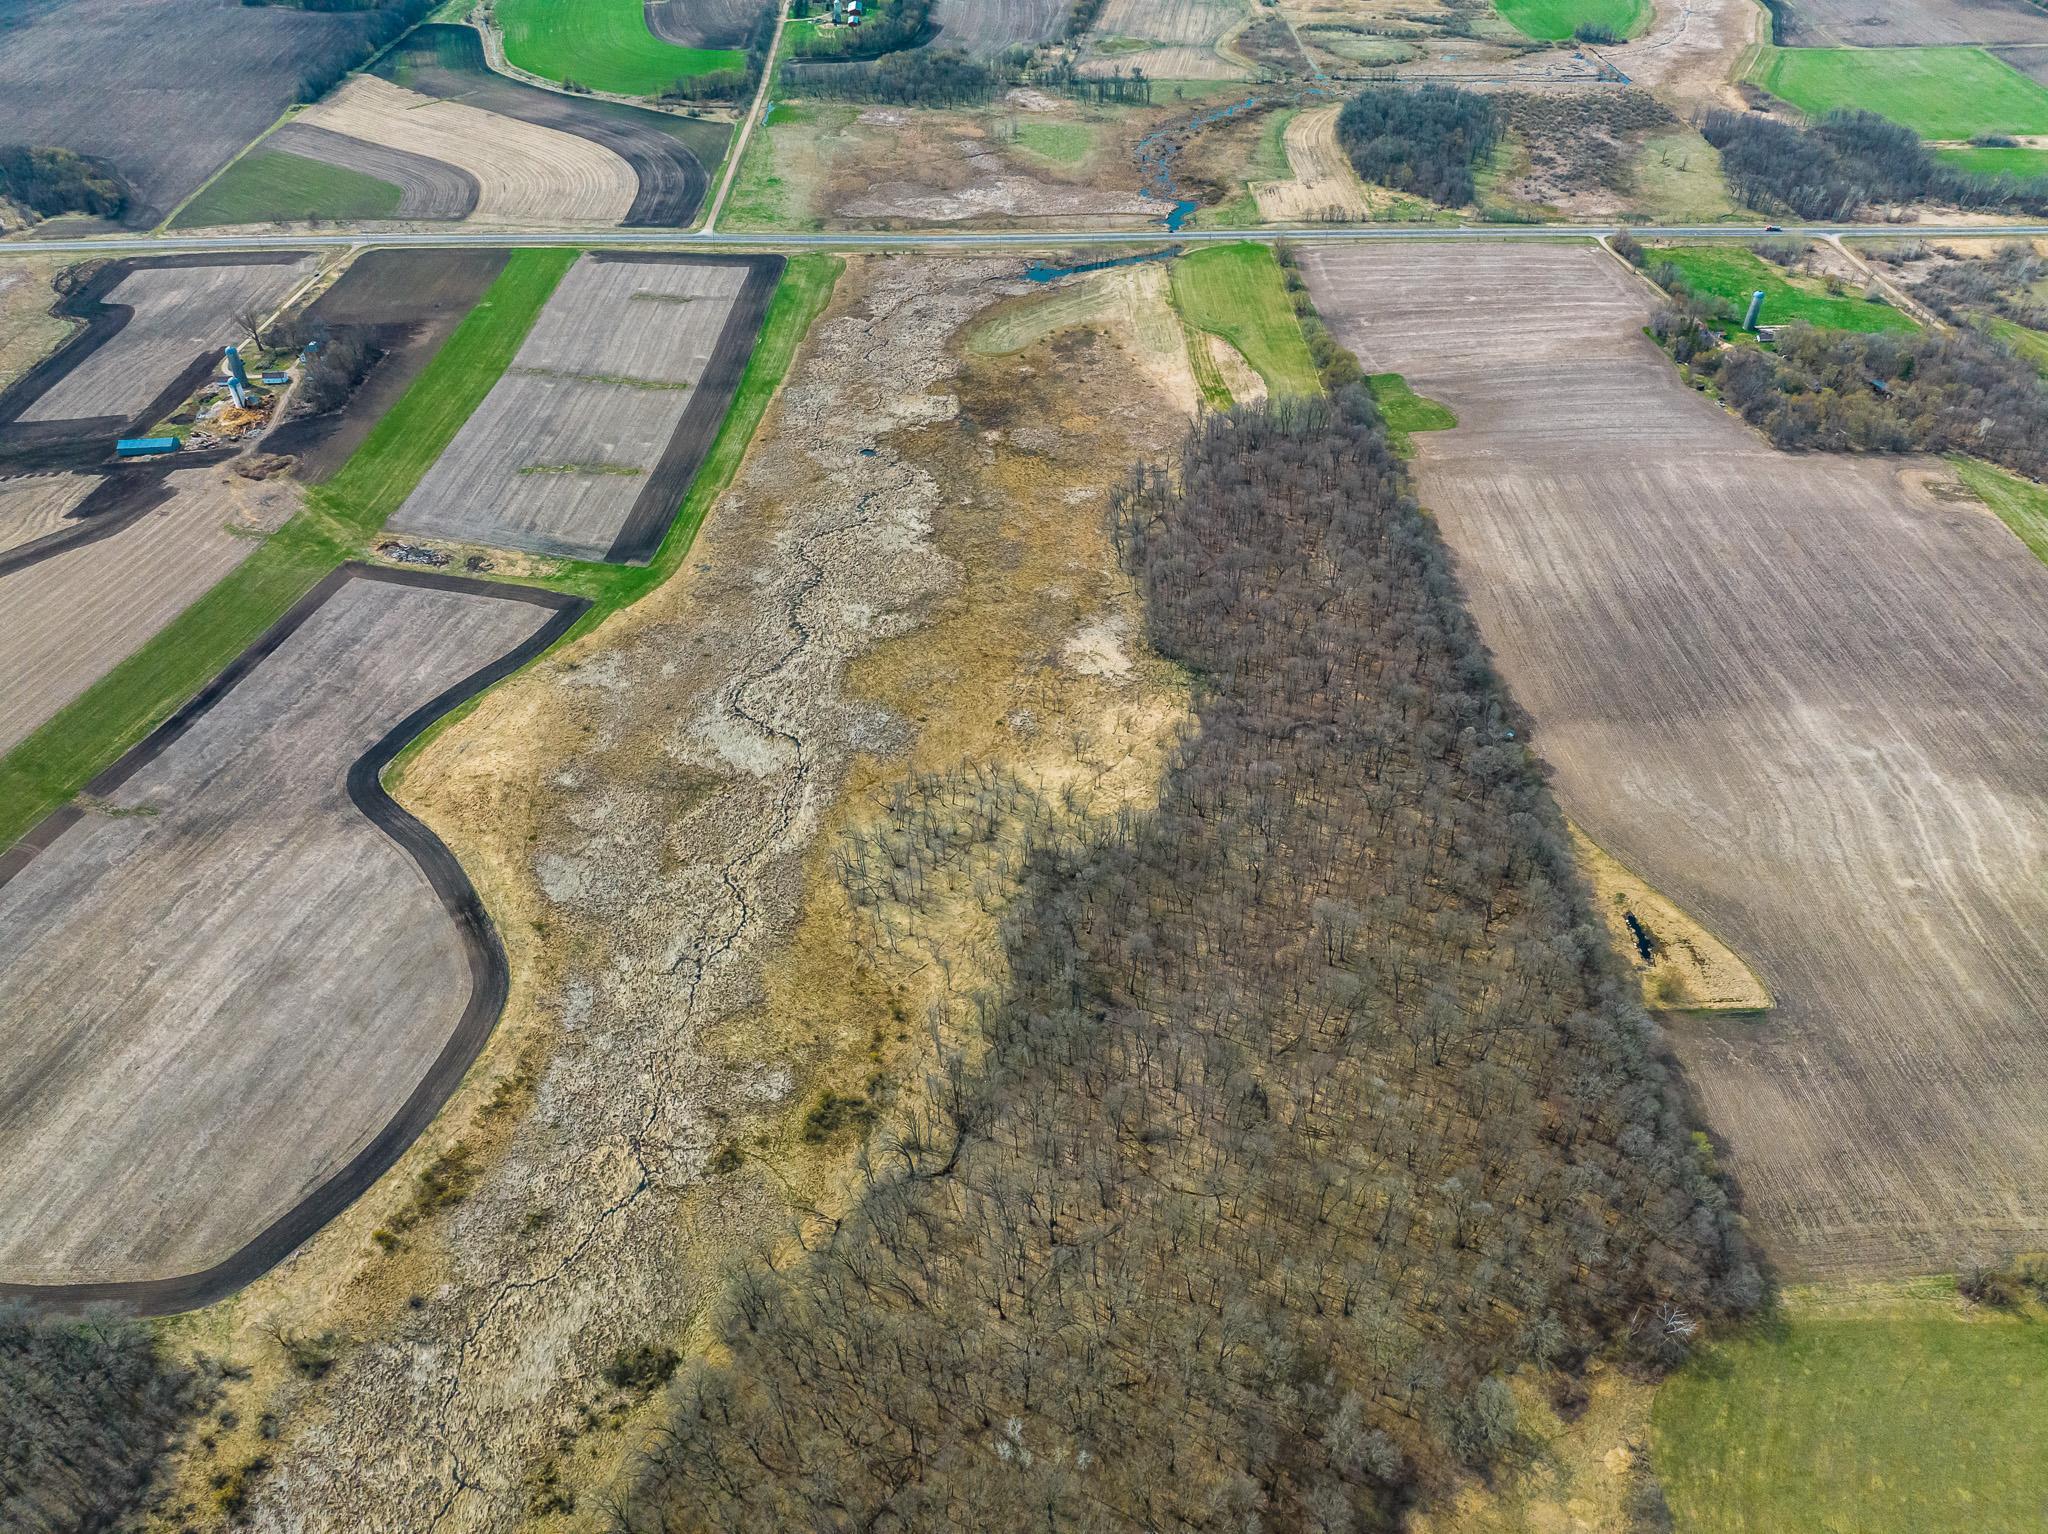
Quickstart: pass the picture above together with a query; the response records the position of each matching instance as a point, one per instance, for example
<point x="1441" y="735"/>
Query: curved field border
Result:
<point x="690" y="444"/>
<point x="489" y="975"/>
<point x="104" y="321"/>
<point x="110" y="506"/>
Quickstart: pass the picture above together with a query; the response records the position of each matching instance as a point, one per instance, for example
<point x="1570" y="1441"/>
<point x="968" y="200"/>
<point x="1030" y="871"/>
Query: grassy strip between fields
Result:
<point x="602" y="44"/>
<point x="2021" y="504"/>
<point x="1730" y="274"/>
<point x="1940" y="93"/>
<point x="1237" y="292"/>
<point x="338" y="519"/>
<point x="1406" y="412"/>
<point x="1892" y="1410"/>
<point x="268" y="185"/>
<point x="1555" y="20"/>
<point x="805" y="289"/>
<point x="2016" y="164"/>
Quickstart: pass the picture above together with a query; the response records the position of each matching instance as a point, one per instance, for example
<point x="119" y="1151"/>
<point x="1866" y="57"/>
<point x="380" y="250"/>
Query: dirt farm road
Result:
<point x="1008" y="239"/>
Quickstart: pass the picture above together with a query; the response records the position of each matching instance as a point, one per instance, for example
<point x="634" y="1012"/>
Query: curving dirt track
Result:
<point x="36" y="506"/>
<point x="1324" y="185"/>
<point x="1800" y="695"/>
<point x="525" y="174"/>
<point x="586" y="446"/>
<point x="703" y="23"/>
<point x="200" y="1073"/>
<point x="427" y="188"/>
<point x="994" y="26"/>
<point x="154" y="328"/>
<point x="670" y="154"/>
<point x="75" y="614"/>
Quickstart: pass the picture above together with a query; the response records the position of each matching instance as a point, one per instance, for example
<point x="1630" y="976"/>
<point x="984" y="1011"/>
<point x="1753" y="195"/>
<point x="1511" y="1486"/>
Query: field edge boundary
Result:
<point x="490" y="974"/>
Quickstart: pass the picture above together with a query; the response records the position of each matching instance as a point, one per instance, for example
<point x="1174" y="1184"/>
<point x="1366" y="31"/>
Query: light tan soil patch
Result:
<point x="525" y="174"/>
<point x="1132" y="302"/>
<point x="676" y="823"/>
<point x="1694" y="51"/>
<point x="1325" y="189"/>
<point x="35" y="506"/>
<point x="1239" y="376"/>
<point x="1690" y="969"/>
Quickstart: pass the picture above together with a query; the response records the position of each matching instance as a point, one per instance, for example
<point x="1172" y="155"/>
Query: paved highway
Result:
<point x="1030" y="239"/>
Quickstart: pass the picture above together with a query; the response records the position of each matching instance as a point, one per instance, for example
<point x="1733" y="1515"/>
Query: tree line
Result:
<point x="1845" y="162"/>
<point x="1919" y="392"/>
<point x="89" y="1411"/>
<point x="1317" y="1104"/>
<point x="1427" y="141"/>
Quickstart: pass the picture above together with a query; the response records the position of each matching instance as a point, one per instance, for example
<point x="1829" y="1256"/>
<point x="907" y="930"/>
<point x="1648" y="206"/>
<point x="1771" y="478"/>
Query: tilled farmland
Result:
<point x="671" y="155"/>
<point x="1802" y="696"/>
<point x="703" y="23"/>
<point x="240" y="964"/>
<point x="35" y="506"/>
<point x="585" y="446"/>
<point x="525" y="174"/>
<point x="994" y="26"/>
<point x="1911" y="23"/>
<point x="1182" y="35"/>
<point x="77" y="613"/>
<point x="427" y="188"/>
<point x="180" y="312"/>
<point x="172" y="91"/>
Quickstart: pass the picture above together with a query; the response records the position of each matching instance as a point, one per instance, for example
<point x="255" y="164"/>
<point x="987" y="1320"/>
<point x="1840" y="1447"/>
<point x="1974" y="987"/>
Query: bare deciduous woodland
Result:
<point x="1317" y="1102"/>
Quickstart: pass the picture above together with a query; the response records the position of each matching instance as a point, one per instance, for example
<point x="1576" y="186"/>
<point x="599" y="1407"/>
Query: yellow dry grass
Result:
<point x="1132" y="301"/>
<point x="1693" y="970"/>
<point x="1324" y="188"/>
<point x="28" y="331"/>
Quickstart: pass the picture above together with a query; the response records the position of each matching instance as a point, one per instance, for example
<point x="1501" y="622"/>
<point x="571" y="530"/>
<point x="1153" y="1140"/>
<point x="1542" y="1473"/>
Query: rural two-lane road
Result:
<point x="1031" y="239"/>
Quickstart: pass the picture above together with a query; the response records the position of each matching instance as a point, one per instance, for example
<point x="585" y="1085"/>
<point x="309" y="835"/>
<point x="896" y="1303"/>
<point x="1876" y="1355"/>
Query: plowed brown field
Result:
<point x="525" y="174"/>
<point x="1798" y="694"/>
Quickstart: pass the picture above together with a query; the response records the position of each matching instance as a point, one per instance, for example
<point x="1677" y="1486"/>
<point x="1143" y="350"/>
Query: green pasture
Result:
<point x="1058" y="143"/>
<point x="602" y="44"/>
<point x="2018" y="164"/>
<point x="1407" y="412"/>
<point x="1556" y="20"/>
<point x="1237" y="292"/>
<point x="1729" y="274"/>
<point x="2021" y="504"/>
<point x="1852" y="1412"/>
<point x="2027" y="343"/>
<point x="338" y="520"/>
<point x="1940" y="93"/>
<point x="270" y="185"/>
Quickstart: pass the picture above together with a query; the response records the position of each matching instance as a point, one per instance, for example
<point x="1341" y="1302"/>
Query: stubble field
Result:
<point x="306" y="172"/>
<point x="992" y="26"/>
<point x="226" y="979"/>
<point x="1799" y="695"/>
<point x="1911" y="23"/>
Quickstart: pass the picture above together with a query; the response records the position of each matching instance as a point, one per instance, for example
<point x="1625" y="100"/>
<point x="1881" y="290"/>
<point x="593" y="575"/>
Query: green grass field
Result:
<point x="2030" y="344"/>
<point x="1555" y="20"/>
<point x="2014" y="164"/>
<point x="338" y="520"/>
<point x="270" y="185"/>
<point x="2021" y="504"/>
<point x="602" y="44"/>
<point x="1058" y="143"/>
<point x="1940" y="93"/>
<point x="1730" y="274"/>
<point x="1407" y="412"/>
<point x="1862" y="1413"/>
<point x="1236" y="292"/>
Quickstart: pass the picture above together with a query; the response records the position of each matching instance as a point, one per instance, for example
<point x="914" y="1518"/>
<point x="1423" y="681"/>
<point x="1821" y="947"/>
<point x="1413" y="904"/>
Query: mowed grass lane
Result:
<point x="602" y="44"/>
<point x="1237" y="292"/>
<point x="1407" y="412"/>
<point x="1730" y="275"/>
<point x="1898" y="1414"/>
<point x="2018" y="164"/>
<point x="273" y="185"/>
<point x="1940" y="93"/>
<point x="2020" y="504"/>
<point x="339" y="517"/>
<point x="1555" y="20"/>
